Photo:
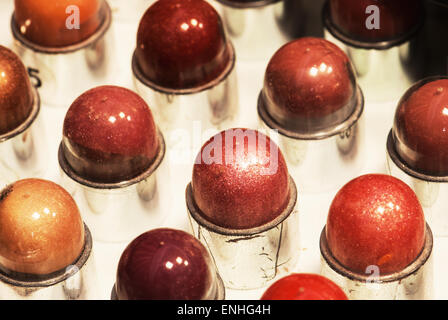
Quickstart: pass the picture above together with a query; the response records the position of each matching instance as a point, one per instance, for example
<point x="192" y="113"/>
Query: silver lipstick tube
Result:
<point x="384" y="69"/>
<point x="75" y="282"/>
<point x="65" y="73"/>
<point x="250" y="258"/>
<point x="23" y="151"/>
<point x="117" y="212"/>
<point x="432" y="191"/>
<point x="325" y="160"/>
<point x="254" y="27"/>
<point x="415" y="282"/>
<point x="214" y="105"/>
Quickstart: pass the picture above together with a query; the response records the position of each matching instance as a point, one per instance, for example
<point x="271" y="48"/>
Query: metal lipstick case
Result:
<point x="23" y="151"/>
<point x="63" y="73"/>
<point x="117" y="212"/>
<point x="250" y="258"/>
<point x="414" y="282"/>
<point x="75" y="282"/>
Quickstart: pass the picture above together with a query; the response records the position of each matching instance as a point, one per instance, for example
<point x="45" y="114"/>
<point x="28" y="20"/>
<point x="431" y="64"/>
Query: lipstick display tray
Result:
<point x="313" y="208"/>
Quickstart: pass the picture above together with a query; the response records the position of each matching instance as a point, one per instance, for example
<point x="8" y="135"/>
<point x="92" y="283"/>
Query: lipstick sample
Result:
<point x="303" y="286"/>
<point x="395" y="18"/>
<point x="309" y="85"/>
<point x="16" y="99"/>
<point x="420" y="127"/>
<point x="55" y="23"/>
<point x="379" y="37"/>
<point x="242" y="205"/>
<point x="23" y="149"/>
<point x="416" y="147"/>
<point x="184" y="66"/>
<point x="41" y="230"/>
<point x="311" y="97"/>
<point x="240" y="179"/>
<point x="375" y="220"/>
<point x="109" y="135"/>
<point x="166" y="264"/>
<point x="181" y="44"/>
<point x="110" y="152"/>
